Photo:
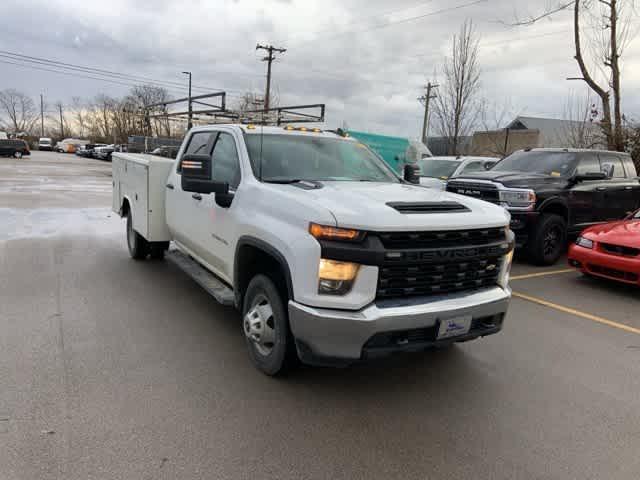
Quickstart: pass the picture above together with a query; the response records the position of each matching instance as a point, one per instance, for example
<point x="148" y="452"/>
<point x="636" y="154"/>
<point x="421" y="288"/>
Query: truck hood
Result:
<point x="624" y="232"/>
<point x="432" y="182"/>
<point x="515" y="179"/>
<point x="365" y="206"/>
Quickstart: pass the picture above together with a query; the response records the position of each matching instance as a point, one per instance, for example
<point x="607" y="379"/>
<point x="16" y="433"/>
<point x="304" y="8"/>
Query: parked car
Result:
<point x="104" y="152"/>
<point x="610" y="250"/>
<point x="166" y="151"/>
<point x="14" y="148"/>
<point x="435" y="171"/>
<point x="70" y="145"/>
<point x="553" y="194"/>
<point x="330" y="256"/>
<point x="45" y="144"/>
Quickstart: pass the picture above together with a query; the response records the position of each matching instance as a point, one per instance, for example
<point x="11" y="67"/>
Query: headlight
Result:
<point x="584" y="242"/>
<point x="518" y="198"/>
<point x="336" y="278"/>
<point x="503" y="279"/>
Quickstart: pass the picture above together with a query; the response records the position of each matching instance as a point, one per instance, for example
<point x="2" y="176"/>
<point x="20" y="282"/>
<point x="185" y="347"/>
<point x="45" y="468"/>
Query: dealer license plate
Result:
<point x="453" y="327"/>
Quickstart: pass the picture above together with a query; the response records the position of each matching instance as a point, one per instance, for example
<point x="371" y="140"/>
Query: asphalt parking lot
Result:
<point x="111" y="368"/>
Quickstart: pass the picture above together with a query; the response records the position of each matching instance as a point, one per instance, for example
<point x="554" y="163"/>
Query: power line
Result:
<point x="381" y="14"/>
<point x="96" y="72"/>
<point x="77" y="75"/>
<point x="401" y="21"/>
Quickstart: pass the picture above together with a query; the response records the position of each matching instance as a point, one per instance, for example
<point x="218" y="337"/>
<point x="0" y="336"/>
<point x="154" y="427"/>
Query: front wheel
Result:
<point x="266" y="327"/>
<point x="138" y="246"/>
<point x="548" y="240"/>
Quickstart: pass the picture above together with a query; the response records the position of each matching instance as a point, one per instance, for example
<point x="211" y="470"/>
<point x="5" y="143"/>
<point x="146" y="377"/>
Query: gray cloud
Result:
<point x="338" y="51"/>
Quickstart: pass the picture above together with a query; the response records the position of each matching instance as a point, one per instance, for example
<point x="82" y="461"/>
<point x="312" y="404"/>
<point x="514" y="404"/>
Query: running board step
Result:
<point x="207" y="280"/>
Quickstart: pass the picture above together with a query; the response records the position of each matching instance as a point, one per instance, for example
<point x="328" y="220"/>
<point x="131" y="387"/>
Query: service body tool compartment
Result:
<point x="141" y="180"/>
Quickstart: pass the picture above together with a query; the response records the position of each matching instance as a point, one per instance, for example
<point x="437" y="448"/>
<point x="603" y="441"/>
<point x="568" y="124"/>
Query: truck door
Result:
<point x="618" y="198"/>
<point x="220" y="232"/>
<point x="182" y="210"/>
<point x="587" y="197"/>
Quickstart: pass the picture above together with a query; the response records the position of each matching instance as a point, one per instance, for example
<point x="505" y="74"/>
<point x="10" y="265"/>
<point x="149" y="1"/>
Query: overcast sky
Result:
<point x="366" y="59"/>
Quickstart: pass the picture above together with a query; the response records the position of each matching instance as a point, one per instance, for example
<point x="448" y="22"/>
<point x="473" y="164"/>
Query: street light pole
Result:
<point x="190" y="124"/>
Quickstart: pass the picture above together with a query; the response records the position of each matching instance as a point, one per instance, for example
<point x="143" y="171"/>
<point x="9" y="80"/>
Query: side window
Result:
<point x="226" y="165"/>
<point x="588" y="163"/>
<point x="618" y="169"/>
<point x="629" y="167"/>
<point x="200" y="143"/>
<point x="473" y="167"/>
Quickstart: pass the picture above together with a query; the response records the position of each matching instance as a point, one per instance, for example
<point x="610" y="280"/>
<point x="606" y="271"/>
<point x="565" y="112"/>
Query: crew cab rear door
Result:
<point x="619" y="197"/>
<point x="587" y="198"/>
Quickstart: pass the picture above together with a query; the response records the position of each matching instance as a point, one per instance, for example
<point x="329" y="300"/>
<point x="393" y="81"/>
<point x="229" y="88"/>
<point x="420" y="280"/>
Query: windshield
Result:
<point x="556" y="164"/>
<point x="301" y="157"/>
<point x="430" y="167"/>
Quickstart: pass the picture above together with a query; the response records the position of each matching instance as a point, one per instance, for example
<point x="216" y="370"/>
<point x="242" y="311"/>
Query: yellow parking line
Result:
<point x="578" y="313"/>
<point x="542" y="274"/>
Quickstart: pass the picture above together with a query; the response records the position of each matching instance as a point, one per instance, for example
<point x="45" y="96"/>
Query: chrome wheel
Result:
<point x="259" y="325"/>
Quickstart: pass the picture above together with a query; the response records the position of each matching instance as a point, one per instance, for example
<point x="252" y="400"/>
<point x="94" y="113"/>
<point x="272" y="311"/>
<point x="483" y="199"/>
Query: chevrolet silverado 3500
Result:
<point x="329" y="255"/>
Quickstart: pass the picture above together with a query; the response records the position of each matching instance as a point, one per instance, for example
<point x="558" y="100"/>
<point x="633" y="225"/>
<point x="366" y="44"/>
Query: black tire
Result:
<point x="138" y="246"/>
<point x="281" y="356"/>
<point x="549" y="240"/>
<point x="17" y="154"/>
<point x="157" y="250"/>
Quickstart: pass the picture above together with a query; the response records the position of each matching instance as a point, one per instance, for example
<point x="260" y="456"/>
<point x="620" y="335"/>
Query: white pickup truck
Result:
<point x="330" y="256"/>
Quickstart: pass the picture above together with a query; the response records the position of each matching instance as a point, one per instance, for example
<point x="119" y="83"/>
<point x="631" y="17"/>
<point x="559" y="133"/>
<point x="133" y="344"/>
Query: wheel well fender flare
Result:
<point x="555" y="205"/>
<point x="125" y="207"/>
<point x="267" y="249"/>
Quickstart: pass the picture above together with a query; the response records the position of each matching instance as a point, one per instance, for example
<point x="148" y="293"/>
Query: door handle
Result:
<point x="628" y="187"/>
<point x="601" y="189"/>
<point x="196" y="196"/>
<point x="170" y="186"/>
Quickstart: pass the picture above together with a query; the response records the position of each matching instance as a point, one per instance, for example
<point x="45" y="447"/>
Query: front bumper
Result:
<point x="335" y="337"/>
<point x="523" y="225"/>
<point x="605" y="265"/>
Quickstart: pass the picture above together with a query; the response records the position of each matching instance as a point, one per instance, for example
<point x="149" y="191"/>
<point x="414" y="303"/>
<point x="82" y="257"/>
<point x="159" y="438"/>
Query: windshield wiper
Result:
<point x="282" y="180"/>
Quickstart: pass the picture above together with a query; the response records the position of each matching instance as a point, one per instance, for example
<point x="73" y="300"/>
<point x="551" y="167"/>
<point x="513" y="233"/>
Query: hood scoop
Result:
<point x="410" y="208"/>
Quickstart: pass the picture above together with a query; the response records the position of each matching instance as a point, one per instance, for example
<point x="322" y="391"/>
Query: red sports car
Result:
<point x="610" y="250"/>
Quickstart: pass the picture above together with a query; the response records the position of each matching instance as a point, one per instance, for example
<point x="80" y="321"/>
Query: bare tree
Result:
<point x="80" y="116"/>
<point x="250" y="101"/>
<point x="581" y="129"/>
<point x="18" y="112"/>
<point x="609" y="33"/>
<point x="141" y="97"/>
<point x="456" y="107"/>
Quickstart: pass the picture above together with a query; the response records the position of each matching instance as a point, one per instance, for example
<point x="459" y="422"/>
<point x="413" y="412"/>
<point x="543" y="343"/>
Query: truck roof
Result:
<point x="273" y="130"/>
<point x="571" y="150"/>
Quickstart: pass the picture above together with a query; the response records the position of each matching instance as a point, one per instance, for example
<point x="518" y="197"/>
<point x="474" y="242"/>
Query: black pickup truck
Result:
<point x="556" y="193"/>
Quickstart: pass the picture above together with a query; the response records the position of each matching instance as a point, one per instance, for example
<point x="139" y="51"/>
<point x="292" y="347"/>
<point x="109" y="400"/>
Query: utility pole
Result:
<point x="269" y="59"/>
<point x="41" y="115"/>
<point x="425" y="100"/>
<point x="190" y="123"/>
<point x="61" y="122"/>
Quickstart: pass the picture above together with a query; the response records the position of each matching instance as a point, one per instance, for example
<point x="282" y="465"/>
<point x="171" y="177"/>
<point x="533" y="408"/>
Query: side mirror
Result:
<point x="608" y="169"/>
<point x="196" y="176"/>
<point x="412" y="173"/>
